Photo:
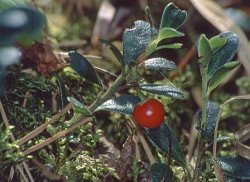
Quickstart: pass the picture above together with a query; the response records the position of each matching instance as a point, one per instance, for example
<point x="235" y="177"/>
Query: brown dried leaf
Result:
<point x="126" y="158"/>
<point x="44" y="58"/>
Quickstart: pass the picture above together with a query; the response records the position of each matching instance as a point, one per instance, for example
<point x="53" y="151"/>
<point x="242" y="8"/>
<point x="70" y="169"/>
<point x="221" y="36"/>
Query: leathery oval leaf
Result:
<point x="212" y="114"/>
<point x="160" y="64"/>
<point x="167" y="90"/>
<point x="165" y="139"/>
<point x="225" y="54"/>
<point x="235" y="168"/>
<point x="220" y="74"/>
<point x="124" y="104"/>
<point x="135" y="40"/>
<point x="160" y="171"/>
<point x="166" y="33"/>
<point x="172" y="17"/>
<point x="217" y="42"/>
<point x="204" y="50"/>
<point x="82" y="66"/>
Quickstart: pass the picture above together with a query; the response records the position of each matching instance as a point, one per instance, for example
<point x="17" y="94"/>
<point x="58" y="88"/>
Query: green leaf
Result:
<point x="9" y="55"/>
<point x="62" y="91"/>
<point x="12" y="3"/>
<point x="217" y="42"/>
<point x="225" y="54"/>
<point x="82" y="66"/>
<point x="167" y="90"/>
<point x="135" y="41"/>
<point x="204" y="51"/>
<point x="169" y="46"/>
<point x="115" y="50"/>
<point x="153" y="47"/>
<point x="166" y="33"/>
<point x="161" y="171"/>
<point x="124" y="104"/>
<point x="19" y="22"/>
<point x="165" y="139"/>
<point x="235" y="168"/>
<point x="160" y="64"/>
<point x="79" y="107"/>
<point x="220" y="74"/>
<point x="212" y="114"/>
<point x="172" y="17"/>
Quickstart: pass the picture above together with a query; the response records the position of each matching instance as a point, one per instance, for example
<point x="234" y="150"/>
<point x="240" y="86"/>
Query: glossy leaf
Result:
<point x="161" y="172"/>
<point x="79" y="107"/>
<point x="115" y="50"/>
<point x="235" y="168"/>
<point x="62" y="92"/>
<point x="135" y="41"/>
<point x="217" y="42"/>
<point x="204" y="50"/>
<point x="123" y="104"/>
<point x="165" y="139"/>
<point x="225" y="54"/>
<point x="212" y="114"/>
<point x="160" y="64"/>
<point x="167" y="90"/>
<point x="9" y="55"/>
<point x="82" y="66"/>
<point x="220" y="74"/>
<point x="20" y="21"/>
<point x="172" y="17"/>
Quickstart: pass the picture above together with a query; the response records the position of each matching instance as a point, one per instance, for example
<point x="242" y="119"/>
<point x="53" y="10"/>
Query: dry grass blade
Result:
<point x="41" y="128"/>
<point x="241" y="97"/>
<point x="242" y="136"/>
<point x="218" y="171"/>
<point x="6" y="122"/>
<point x="216" y="16"/>
<point x="56" y="136"/>
<point x="144" y="142"/>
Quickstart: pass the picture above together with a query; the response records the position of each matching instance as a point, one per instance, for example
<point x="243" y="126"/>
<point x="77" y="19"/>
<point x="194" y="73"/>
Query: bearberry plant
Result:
<point x="130" y="94"/>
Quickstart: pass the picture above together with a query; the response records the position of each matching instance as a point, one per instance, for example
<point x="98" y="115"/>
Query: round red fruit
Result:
<point x="149" y="114"/>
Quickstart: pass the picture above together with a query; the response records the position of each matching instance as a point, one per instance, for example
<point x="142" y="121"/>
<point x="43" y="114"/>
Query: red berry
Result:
<point x="149" y="114"/>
